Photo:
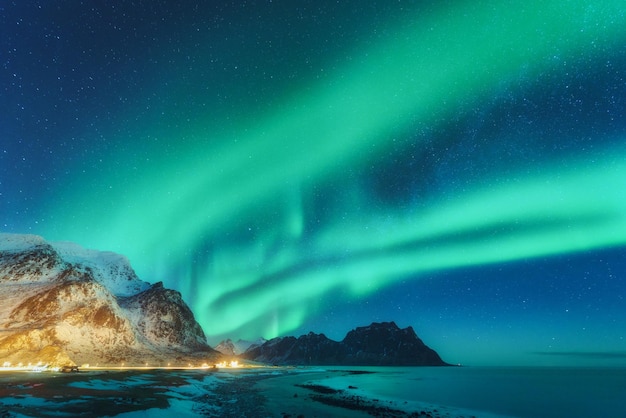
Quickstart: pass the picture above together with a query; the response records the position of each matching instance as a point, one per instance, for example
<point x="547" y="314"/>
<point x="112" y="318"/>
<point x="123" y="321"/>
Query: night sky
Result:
<point x="296" y="166"/>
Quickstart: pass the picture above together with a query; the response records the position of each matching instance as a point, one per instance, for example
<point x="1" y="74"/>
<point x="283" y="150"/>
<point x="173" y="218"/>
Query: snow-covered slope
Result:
<point x="62" y="303"/>
<point x="110" y="269"/>
<point x="230" y="348"/>
<point x="19" y="242"/>
<point x="28" y="260"/>
<point x="226" y="347"/>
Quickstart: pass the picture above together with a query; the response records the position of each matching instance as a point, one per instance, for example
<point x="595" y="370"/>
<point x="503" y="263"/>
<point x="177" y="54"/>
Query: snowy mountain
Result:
<point x="230" y="348"/>
<point x="379" y="344"/>
<point x="63" y="304"/>
<point x="226" y="347"/>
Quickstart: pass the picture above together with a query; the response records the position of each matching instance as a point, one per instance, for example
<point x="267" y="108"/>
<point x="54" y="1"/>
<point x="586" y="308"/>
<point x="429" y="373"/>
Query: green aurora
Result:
<point x="243" y="191"/>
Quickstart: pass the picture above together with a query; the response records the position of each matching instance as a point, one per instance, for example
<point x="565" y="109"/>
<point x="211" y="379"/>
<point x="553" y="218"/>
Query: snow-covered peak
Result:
<point x="231" y="348"/>
<point x="69" y="304"/>
<point x="241" y="346"/>
<point x="226" y="347"/>
<point x="111" y="269"/>
<point x="19" y="242"/>
<point x="28" y="259"/>
<point x="76" y="254"/>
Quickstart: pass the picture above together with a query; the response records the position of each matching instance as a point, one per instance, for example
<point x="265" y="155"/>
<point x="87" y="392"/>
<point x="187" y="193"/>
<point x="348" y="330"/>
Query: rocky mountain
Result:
<point x="379" y="344"/>
<point x="63" y="304"/>
<point x="226" y="347"/>
<point x="230" y="348"/>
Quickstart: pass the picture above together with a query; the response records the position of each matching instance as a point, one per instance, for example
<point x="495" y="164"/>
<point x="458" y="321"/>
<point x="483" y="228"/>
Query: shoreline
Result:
<point x="282" y="392"/>
<point x="306" y="393"/>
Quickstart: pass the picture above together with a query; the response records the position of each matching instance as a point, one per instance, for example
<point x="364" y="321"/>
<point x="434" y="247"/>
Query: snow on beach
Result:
<point x="107" y="393"/>
<point x="134" y="393"/>
<point x="181" y="401"/>
<point x="185" y="393"/>
<point x="315" y="392"/>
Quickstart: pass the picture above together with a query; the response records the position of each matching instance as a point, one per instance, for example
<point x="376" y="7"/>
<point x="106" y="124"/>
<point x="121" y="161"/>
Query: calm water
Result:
<point x="518" y="392"/>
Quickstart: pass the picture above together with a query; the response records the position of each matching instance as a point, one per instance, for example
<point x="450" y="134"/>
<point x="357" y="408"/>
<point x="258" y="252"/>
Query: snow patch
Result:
<point x="110" y="269"/>
<point x="19" y="242"/>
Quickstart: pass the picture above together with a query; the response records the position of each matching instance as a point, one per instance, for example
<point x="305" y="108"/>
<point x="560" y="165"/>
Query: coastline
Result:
<point x="324" y="392"/>
<point x="294" y="392"/>
<point x="282" y="392"/>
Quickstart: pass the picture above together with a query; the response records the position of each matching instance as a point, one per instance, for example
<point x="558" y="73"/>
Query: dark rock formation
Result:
<point x="379" y="344"/>
<point x="384" y="344"/>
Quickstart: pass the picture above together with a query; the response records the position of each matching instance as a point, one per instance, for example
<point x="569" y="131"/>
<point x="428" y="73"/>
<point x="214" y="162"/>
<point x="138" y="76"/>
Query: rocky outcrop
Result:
<point x="65" y="305"/>
<point x="162" y="317"/>
<point x="385" y="344"/>
<point x="379" y="344"/>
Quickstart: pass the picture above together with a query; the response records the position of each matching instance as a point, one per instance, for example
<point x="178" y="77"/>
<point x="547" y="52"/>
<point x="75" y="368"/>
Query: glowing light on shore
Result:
<point x="228" y="364"/>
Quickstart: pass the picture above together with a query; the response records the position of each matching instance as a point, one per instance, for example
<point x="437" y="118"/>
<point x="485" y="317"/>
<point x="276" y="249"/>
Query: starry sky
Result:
<point x="456" y="166"/>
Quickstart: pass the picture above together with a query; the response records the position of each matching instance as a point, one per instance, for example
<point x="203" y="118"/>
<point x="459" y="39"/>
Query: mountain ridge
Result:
<point x="235" y="348"/>
<point x="63" y="304"/>
<point x="377" y="344"/>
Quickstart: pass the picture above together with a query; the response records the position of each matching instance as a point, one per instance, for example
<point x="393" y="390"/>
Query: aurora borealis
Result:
<point x="455" y="166"/>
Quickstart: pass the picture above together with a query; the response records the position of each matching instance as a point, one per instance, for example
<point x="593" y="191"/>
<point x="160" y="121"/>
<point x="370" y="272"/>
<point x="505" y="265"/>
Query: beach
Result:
<point x="289" y="392"/>
<point x="259" y="392"/>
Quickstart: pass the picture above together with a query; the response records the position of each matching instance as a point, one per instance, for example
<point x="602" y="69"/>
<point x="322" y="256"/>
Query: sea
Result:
<point x="498" y="391"/>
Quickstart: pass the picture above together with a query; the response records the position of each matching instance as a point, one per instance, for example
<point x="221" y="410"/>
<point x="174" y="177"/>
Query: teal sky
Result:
<point x="454" y="166"/>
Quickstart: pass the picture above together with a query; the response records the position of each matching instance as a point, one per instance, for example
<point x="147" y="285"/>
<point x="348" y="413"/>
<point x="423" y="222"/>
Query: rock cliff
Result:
<point x="62" y="304"/>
